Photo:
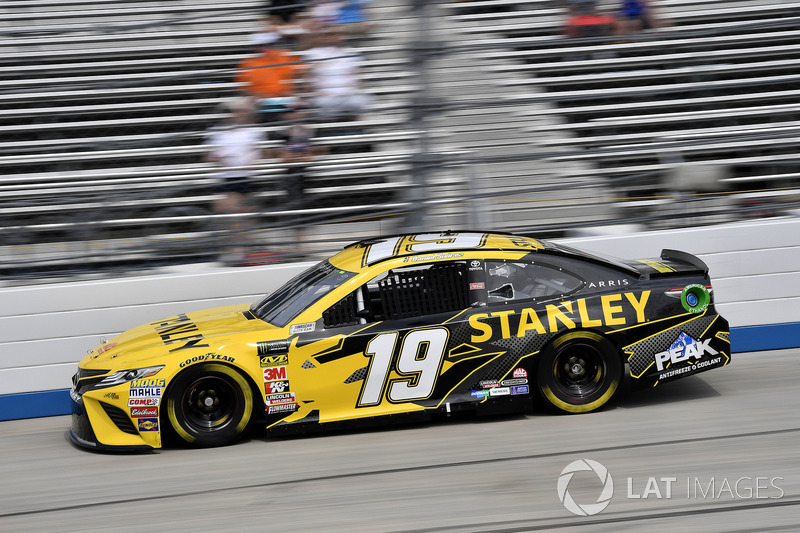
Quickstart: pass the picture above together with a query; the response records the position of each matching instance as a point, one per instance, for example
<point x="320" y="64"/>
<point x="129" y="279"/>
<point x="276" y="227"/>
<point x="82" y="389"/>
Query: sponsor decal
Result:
<point x="283" y="408"/>
<point x="695" y="298"/>
<point x="499" y="391"/>
<point x="683" y="349"/>
<point x="511" y="382"/>
<point x="145" y="392"/>
<point x="148" y="382"/>
<point x="144" y="402"/>
<point x="614" y="310"/>
<point x="479" y="393"/>
<point x="272" y="348"/>
<point x="488" y="384"/>
<point x="105" y="347"/>
<point x="148" y="424"/>
<point x="279" y="399"/>
<point x="475" y="265"/>
<point x="658" y="267"/>
<point x="275" y="387"/>
<point x="684" y="369"/>
<point x="607" y="283"/>
<point x="521" y="389"/>
<point x="436" y="256"/>
<point x="179" y="331"/>
<point x="477" y="286"/>
<point x="111" y="396"/>
<point x="302" y="328"/>
<point x="139" y="412"/>
<point x="520" y="373"/>
<point x="274" y="360"/>
<point x="275" y="373"/>
<point x="207" y="357"/>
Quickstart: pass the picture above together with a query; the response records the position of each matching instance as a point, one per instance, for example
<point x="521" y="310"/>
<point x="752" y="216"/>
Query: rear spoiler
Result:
<point x="677" y="255"/>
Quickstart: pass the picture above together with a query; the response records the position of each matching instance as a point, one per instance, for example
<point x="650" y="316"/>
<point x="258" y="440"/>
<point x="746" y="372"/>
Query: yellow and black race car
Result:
<point x="412" y="325"/>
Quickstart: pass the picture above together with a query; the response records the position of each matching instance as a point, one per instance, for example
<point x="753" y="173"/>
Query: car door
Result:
<point x="394" y="334"/>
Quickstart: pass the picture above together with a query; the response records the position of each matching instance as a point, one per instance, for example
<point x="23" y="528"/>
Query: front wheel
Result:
<point x="209" y="404"/>
<point x="579" y="372"/>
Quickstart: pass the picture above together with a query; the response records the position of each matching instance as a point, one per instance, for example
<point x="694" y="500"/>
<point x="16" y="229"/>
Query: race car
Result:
<point x="401" y="328"/>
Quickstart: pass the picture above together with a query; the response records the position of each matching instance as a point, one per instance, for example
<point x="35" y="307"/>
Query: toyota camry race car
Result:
<point x="412" y="325"/>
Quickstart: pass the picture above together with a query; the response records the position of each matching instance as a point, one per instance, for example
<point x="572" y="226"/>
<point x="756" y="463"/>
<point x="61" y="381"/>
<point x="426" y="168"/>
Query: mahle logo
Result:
<point x="587" y="509"/>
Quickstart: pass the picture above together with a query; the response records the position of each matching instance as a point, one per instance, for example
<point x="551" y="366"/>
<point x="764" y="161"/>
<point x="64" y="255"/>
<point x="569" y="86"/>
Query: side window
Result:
<point x="523" y="280"/>
<point x="404" y="293"/>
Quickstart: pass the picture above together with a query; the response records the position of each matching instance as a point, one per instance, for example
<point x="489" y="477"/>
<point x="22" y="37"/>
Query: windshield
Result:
<point x="283" y="305"/>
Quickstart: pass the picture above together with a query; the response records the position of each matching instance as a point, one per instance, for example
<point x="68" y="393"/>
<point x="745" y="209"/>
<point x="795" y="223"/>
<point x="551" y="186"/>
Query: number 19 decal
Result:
<point x="418" y="364"/>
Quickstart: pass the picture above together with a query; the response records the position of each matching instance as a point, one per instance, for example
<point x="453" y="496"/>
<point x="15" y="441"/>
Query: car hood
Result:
<point x="201" y="330"/>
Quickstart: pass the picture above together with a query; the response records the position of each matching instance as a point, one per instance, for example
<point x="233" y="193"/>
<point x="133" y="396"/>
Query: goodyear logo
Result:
<point x="614" y="311"/>
<point x="148" y="424"/>
<point x="274" y="360"/>
<point x="207" y="357"/>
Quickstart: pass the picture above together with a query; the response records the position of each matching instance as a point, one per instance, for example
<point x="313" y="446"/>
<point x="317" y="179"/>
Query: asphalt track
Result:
<point x="739" y="423"/>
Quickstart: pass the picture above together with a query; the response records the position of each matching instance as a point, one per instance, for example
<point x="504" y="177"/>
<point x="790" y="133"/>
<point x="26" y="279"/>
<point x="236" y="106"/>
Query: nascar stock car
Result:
<point x="408" y="325"/>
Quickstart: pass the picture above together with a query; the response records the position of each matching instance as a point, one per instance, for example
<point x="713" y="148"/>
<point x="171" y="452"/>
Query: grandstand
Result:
<point x="483" y="115"/>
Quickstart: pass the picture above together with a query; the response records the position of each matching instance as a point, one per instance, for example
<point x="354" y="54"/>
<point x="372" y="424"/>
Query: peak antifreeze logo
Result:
<point x="684" y="348"/>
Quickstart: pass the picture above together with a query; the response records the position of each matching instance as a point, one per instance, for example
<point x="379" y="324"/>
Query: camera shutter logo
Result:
<point x="588" y="509"/>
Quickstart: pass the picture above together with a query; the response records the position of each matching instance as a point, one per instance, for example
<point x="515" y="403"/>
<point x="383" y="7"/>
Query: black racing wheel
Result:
<point x="209" y="404"/>
<point x="578" y="372"/>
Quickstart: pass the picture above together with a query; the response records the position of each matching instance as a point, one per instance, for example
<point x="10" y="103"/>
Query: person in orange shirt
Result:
<point x="270" y="77"/>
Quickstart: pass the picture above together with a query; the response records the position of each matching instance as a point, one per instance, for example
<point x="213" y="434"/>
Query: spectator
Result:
<point x="334" y="75"/>
<point x="584" y="21"/>
<point x="348" y="16"/>
<point x="297" y="149"/>
<point x="352" y="18"/>
<point x="270" y="77"/>
<point x="287" y="19"/>
<point x="233" y="146"/>
<point x="637" y="15"/>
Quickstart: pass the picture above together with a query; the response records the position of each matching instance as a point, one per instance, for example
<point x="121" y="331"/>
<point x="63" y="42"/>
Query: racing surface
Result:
<point x="728" y="439"/>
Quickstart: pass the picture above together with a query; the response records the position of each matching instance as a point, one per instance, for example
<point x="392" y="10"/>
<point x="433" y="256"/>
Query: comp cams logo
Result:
<point x="586" y="509"/>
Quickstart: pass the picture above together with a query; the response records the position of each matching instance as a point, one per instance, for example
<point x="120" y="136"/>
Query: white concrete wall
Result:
<point x="46" y="329"/>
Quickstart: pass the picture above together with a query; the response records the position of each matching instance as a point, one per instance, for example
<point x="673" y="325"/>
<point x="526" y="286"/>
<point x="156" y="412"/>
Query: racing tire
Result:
<point x="578" y="372"/>
<point x="209" y="404"/>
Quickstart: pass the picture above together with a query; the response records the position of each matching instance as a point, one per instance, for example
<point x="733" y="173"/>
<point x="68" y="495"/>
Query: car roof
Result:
<point x="443" y="245"/>
<point x="364" y="254"/>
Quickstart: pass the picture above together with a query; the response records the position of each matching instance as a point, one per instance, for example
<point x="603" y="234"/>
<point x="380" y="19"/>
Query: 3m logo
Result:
<point x="275" y="373"/>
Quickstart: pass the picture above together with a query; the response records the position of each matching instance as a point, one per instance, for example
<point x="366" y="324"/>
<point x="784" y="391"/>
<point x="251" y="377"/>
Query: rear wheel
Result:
<point x="579" y="372"/>
<point x="209" y="404"/>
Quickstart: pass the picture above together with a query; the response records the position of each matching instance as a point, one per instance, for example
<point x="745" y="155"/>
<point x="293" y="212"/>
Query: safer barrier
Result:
<point x="46" y="329"/>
